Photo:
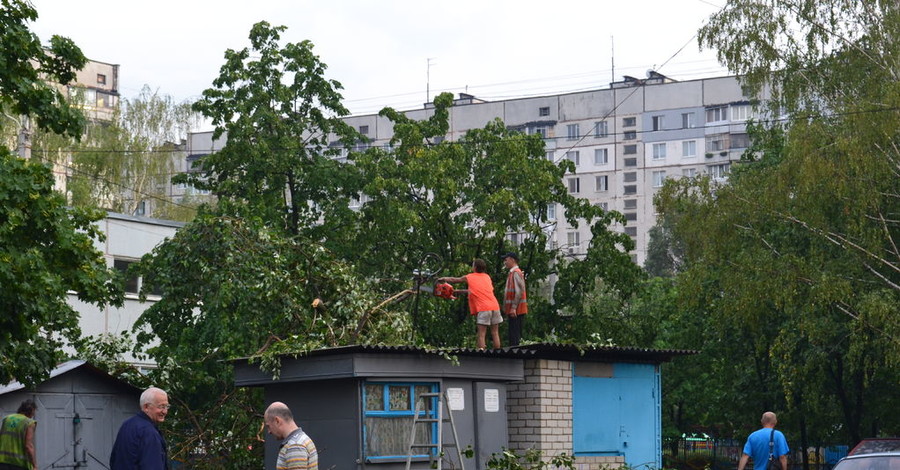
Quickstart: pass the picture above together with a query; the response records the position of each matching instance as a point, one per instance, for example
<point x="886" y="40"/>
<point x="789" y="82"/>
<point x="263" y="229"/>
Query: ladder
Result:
<point x="442" y="405"/>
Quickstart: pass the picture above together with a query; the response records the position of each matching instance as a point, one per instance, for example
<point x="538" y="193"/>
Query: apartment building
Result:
<point x="625" y="141"/>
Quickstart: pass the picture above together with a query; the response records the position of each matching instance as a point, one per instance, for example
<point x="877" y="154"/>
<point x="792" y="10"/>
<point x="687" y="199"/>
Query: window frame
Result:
<point x="543" y="110"/>
<point x="570" y="135"/>
<point x="601" y="129"/>
<point x="684" y="148"/>
<point x="658" y="151"/>
<point x="605" y="157"/>
<point x="659" y="178"/>
<point x="598" y="187"/>
<point x="386" y="412"/>
<point x="658" y="122"/>
<point x="577" y="182"/>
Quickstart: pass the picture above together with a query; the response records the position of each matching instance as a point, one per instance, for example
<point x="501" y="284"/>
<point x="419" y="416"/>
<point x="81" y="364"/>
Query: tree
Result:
<point x="279" y="112"/>
<point x="126" y="163"/>
<point x="46" y="249"/>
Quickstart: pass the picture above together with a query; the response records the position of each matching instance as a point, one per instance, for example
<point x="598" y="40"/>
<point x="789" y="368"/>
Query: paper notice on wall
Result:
<point x="455" y="399"/>
<point x="491" y="400"/>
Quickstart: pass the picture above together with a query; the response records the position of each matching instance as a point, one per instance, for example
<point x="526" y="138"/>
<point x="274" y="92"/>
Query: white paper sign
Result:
<point x="491" y="400"/>
<point x="455" y="399"/>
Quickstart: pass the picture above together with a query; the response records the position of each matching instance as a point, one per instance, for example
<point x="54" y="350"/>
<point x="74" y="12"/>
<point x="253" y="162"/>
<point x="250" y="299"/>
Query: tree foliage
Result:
<point x="46" y="249"/>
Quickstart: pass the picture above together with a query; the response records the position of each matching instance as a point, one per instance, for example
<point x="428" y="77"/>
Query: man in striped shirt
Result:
<point x="515" y="301"/>
<point x="297" y="450"/>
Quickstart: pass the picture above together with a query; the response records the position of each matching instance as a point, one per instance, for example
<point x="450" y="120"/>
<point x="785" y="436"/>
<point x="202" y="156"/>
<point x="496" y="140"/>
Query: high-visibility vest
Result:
<point x="12" y="440"/>
<point x="510" y="298"/>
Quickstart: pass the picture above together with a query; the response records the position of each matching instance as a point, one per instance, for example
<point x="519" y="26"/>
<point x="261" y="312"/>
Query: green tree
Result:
<point x="278" y="111"/>
<point x="127" y="162"/>
<point x="46" y="249"/>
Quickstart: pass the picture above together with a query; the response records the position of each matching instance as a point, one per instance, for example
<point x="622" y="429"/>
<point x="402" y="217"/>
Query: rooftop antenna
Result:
<point x="428" y="79"/>
<point x="612" y="57"/>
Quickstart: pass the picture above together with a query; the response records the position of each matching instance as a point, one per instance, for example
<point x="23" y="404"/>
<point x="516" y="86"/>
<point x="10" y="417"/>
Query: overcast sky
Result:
<point x="379" y="50"/>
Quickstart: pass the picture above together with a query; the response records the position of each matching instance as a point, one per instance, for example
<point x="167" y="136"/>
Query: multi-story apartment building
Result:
<point x="625" y="141"/>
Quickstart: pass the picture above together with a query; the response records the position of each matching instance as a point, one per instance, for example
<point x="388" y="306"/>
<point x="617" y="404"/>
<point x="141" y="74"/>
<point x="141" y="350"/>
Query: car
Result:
<point x="876" y="444"/>
<point x="870" y="461"/>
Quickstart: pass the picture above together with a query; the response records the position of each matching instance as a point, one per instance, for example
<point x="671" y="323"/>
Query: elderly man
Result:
<point x="297" y="452"/>
<point x="758" y="447"/>
<point x="17" y="439"/>
<point x="139" y="444"/>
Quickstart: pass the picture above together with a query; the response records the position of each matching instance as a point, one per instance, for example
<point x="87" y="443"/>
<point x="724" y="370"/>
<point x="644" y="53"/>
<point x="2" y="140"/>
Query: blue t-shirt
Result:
<point x="757" y="447"/>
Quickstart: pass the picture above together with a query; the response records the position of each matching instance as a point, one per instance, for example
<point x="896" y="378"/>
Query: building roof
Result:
<point x="556" y="351"/>
<point x="64" y="368"/>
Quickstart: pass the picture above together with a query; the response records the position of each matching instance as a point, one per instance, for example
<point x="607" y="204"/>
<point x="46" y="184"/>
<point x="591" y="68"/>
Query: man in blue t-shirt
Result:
<point x="757" y="445"/>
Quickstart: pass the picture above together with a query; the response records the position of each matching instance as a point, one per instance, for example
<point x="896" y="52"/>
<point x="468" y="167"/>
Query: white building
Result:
<point x="128" y="238"/>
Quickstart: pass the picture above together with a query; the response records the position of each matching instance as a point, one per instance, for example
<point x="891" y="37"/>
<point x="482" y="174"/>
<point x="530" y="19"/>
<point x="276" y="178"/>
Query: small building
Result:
<point x="79" y="411"/>
<point x="602" y="405"/>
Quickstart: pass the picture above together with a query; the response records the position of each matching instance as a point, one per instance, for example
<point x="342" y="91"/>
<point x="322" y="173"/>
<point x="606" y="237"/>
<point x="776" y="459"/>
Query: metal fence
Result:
<point x="724" y="454"/>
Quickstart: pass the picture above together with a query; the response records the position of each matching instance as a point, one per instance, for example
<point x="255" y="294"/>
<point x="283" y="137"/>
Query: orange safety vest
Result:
<point x="510" y="298"/>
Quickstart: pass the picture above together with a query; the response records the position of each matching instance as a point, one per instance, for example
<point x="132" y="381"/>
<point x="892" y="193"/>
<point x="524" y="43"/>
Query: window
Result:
<point x="105" y="100"/>
<point x="631" y="232"/>
<point x="740" y="112"/>
<point x="574" y="185"/>
<point x="630" y="149"/>
<point x="572" y="132"/>
<point x="601" y="129"/>
<point x="629" y="135"/>
<point x="629" y="162"/>
<point x="549" y="155"/>
<point x="629" y="177"/>
<point x="658" y="123"/>
<point x="715" y="143"/>
<point x="630" y="189"/>
<point x="689" y="172"/>
<point x="574" y="157"/>
<point x="719" y="113"/>
<point x="551" y="211"/>
<point x="574" y="240"/>
<point x="629" y="122"/>
<point x="601" y="157"/>
<point x="630" y="204"/>
<point x="101" y="79"/>
<point x="739" y="141"/>
<point x="659" y="177"/>
<point x="659" y="151"/>
<point x="141" y="208"/>
<point x="516" y="239"/>
<point x="687" y="120"/>
<point x="389" y="409"/>
<point x="541" y="131"/>
<point x="364" y="130"/>
<point x="631" y="216"/>
<point x="718" y="171"/>
<point x="544" y="111"/>
<point x="602" y="183"/>
<point x="602" y="205"/>
<point x="689" y="148"/>
<point x="132" y="282"/>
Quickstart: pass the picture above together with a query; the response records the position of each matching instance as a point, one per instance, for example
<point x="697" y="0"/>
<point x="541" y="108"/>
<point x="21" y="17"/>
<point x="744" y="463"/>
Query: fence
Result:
<point x="724" y="454"/>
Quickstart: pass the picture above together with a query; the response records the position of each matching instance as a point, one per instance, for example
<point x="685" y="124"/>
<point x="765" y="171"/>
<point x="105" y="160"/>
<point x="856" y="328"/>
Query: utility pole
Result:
<point x="24" y="140"/>
<point x="612" y="56"/>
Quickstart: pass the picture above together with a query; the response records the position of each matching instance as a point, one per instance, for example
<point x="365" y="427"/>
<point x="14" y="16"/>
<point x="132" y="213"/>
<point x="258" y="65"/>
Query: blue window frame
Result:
<point x="388" y="409"/>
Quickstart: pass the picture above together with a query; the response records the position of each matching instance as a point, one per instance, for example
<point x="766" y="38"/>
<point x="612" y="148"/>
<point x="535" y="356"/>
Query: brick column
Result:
<point x="540" y="408"/>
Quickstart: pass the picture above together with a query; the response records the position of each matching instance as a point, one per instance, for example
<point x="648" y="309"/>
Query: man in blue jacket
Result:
<point x="140" y="445"/>
<point x="757" y="445"/>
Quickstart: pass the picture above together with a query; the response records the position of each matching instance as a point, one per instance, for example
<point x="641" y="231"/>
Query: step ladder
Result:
<point x="442" y="404"/>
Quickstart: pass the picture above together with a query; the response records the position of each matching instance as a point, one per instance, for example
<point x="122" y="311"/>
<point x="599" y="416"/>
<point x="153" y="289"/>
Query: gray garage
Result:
<point x="79" y="411"/>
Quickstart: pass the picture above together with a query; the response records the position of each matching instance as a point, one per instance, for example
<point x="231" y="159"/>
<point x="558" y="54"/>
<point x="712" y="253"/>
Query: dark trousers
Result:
<point x="515" y="329"/>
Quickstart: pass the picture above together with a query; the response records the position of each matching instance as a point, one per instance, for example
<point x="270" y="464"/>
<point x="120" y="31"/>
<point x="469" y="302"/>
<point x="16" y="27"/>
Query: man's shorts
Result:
<point x="490" y="317"/>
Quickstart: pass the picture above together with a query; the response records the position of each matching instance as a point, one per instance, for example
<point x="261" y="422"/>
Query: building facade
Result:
<point x="625" y="141"/>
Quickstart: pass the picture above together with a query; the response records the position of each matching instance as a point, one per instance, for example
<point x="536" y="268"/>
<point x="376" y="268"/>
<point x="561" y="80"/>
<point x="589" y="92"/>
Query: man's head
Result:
<point x="769" y="420"/>
<point x="479" y="266"/>
<point x="155" y="404"/>
<point x="279" y="420"/>
<point x="510" y="259"/>
<point x="27" y="408"/>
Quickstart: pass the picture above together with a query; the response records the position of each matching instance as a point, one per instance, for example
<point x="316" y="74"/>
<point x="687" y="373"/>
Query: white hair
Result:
<point x="147" y="396"/>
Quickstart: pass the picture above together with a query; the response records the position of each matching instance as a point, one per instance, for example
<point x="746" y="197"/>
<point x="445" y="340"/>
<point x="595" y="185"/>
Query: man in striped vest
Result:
<point x="515" y="303"/>
<point x="297" y="450"/>
<point x="17" y="439"/>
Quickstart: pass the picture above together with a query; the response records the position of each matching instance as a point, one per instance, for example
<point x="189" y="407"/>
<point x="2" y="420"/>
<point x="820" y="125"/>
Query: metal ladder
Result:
<point x="442" y="405"/>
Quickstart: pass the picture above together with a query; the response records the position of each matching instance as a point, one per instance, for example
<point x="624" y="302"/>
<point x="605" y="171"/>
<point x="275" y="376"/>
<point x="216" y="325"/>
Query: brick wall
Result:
<point x="540" y="408"/>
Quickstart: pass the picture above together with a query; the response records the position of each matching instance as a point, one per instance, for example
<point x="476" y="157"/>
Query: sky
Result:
<point x="380" y="51"/>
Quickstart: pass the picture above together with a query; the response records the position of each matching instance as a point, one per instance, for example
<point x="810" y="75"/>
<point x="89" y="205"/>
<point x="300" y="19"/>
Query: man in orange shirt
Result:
<point x="482" y="302"/>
